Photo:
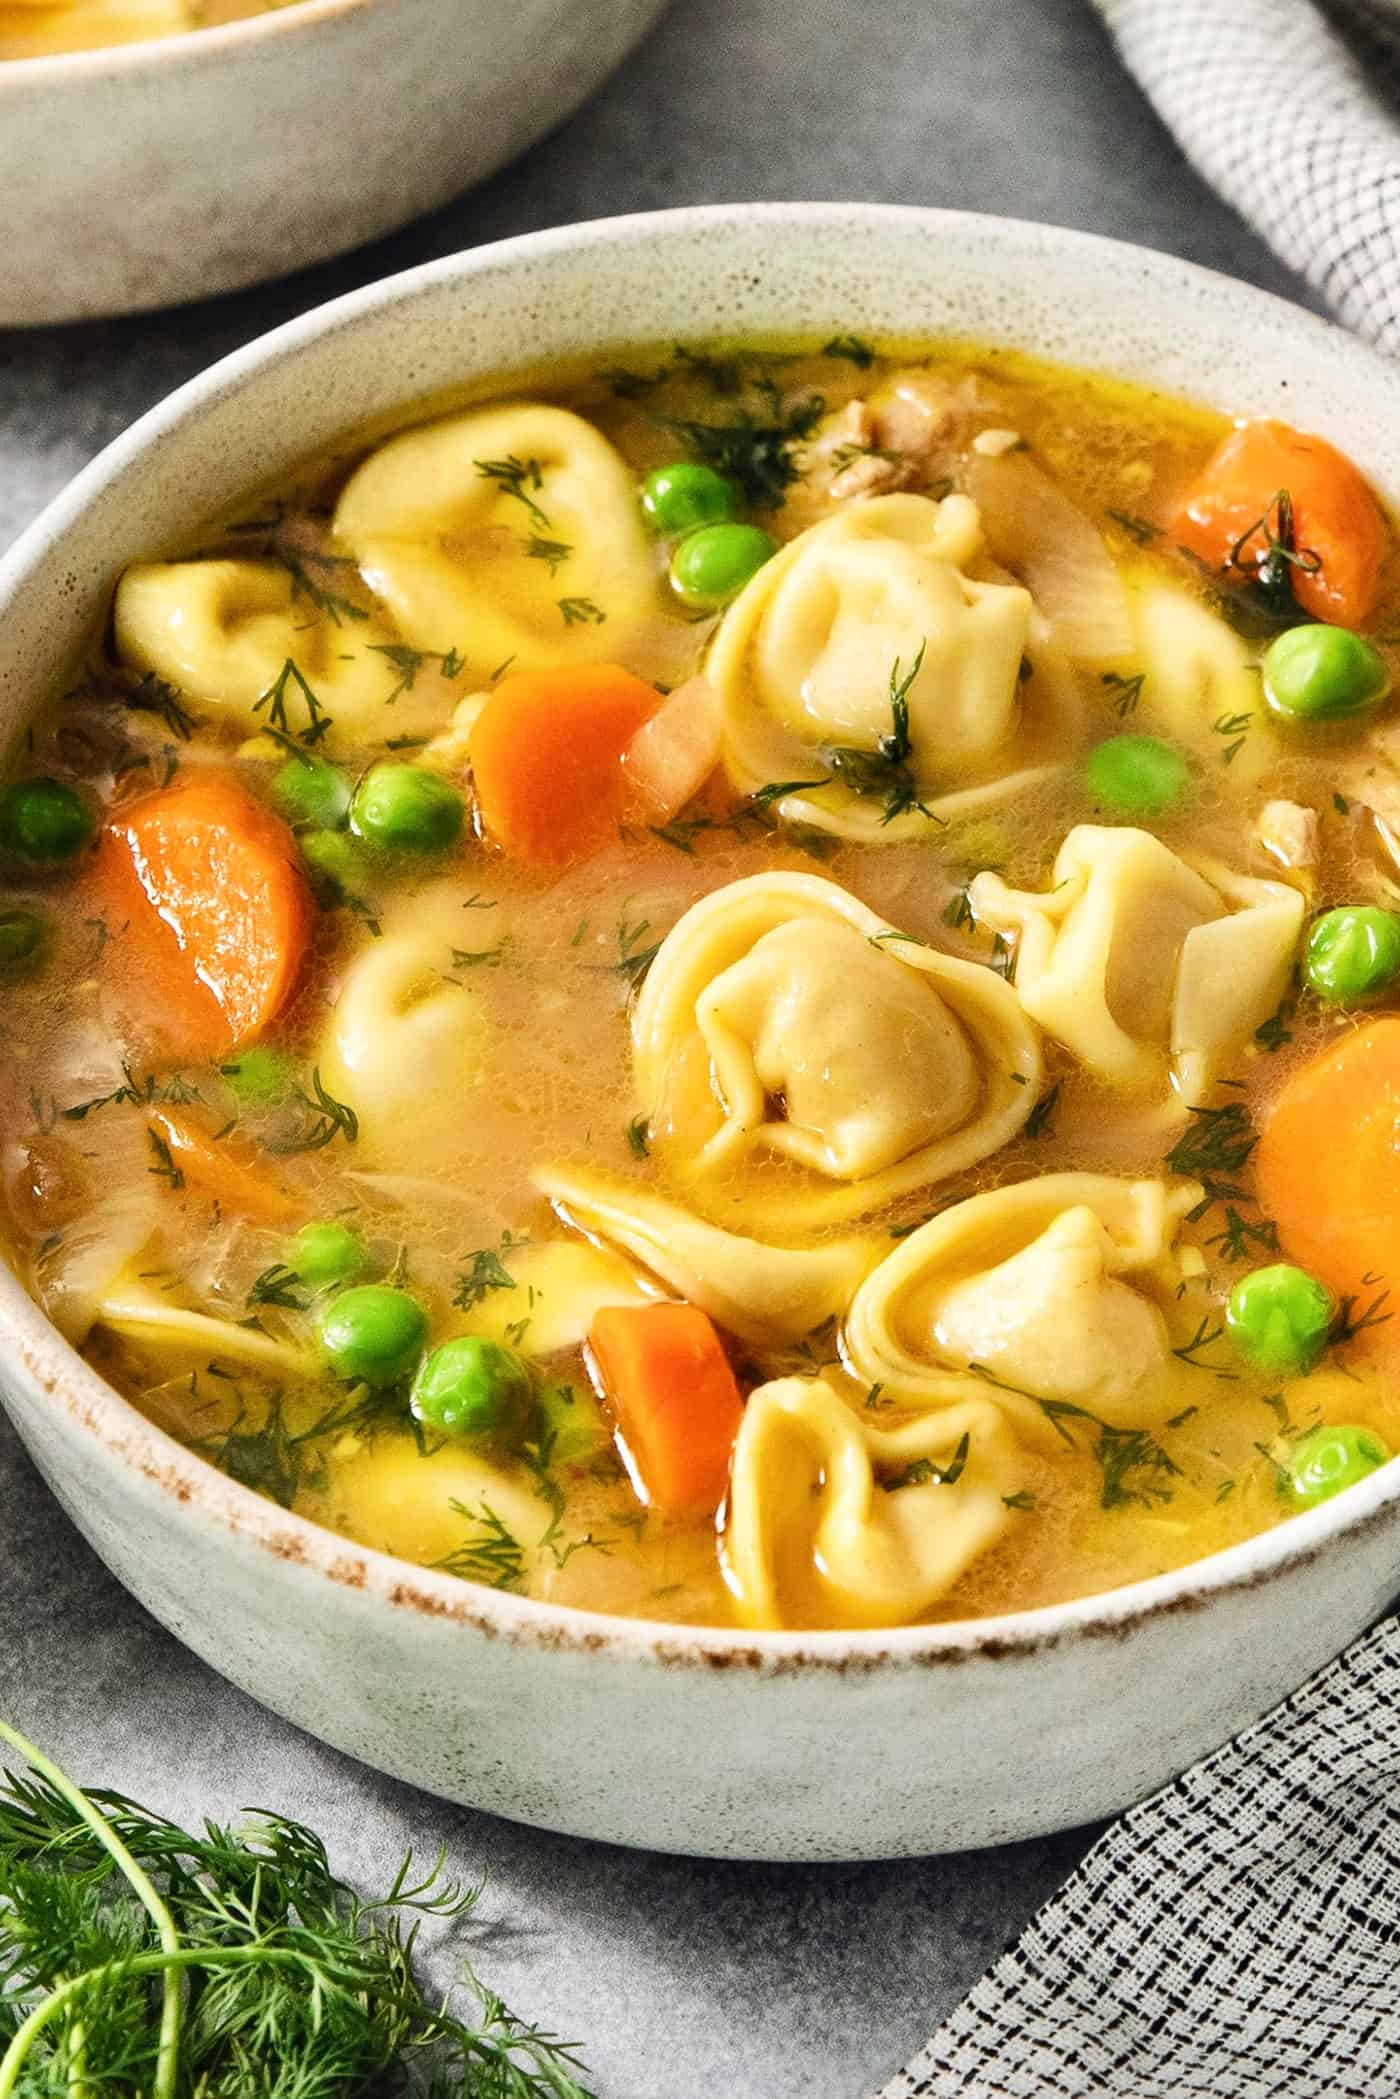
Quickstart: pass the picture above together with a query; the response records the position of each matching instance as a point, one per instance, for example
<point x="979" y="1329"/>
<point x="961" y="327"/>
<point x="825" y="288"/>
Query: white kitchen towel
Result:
<point x="1292" y="111"/>
<point x="1237" y="1936"/>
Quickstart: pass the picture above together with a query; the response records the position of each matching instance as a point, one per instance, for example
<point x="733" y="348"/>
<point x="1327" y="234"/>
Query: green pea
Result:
<point x="1352" y="953"/>
<point x="1279" y="1318"/>
<point x="1323" y="674"/>
<point x="373" y="1333"/>
<point x="335" y="863"/>
<point x="22" y="938"/>
<point x="713" y="565"/>
<point x="1137" y="775"/>
<point x="570" y="1424"/>
<point x="474" y="1389"/>
<point x="404" y="809"/>
<point x="44" y="820"/>
<point x="325" y="1253"/>
<point x="260" y="1077"/>
<point x="1329" y="1458"/>
<point x="681" y="497"/>
<point x="308" y="791"/>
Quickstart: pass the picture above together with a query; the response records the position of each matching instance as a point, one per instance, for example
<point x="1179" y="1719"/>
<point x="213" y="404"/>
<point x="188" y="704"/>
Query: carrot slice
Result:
<point x="663" y="1371"/>
<point x="546" y="756"/>
<point x="227" y="1171"/>
<point x="1327" y="1167"/>
<point x="217" y="911"/>
<point x="1335" y="516"/>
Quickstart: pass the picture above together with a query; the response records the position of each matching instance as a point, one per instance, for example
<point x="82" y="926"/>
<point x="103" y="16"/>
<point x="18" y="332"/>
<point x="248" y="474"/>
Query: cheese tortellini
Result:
<point x="795" y="1054"/>
<point x="892" y="593"/>
<point x="1139" y="960"/>
<point x="1056" y="1287"/>
<point x="404" y="1048"/>
<point x="510" y="534"/>
<point x="833" y="1521"/>
<point x="761" y="1293"/>
<point x="1200" y="682"/>
<point x="224" y="631"/>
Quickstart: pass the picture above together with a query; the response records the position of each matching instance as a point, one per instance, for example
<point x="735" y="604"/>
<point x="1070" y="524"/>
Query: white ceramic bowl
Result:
<point x="778" y="1745"/>
<point x="148" y="174"/>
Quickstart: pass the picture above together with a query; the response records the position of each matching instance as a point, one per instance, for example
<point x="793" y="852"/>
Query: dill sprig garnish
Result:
<point x="639" y="1137"/>
<point x="1132" y="1462"/>
<point x="299" y="563"/>
<point x="1236" y="728"/>
<point x="853" y="349"/>
<point x="165" y="1168"/>
<point x="1140" y="530"/>
<point x="143" y="1961"/>
<point x="923" y="1471"/>
<point x="1040" y="1122"/>
<point x="1214" y="1147"/>
<point x="1349" y="1321"/>
<point x="552" y="552"/>
<point x="408" y="662"/>
<point x="1270" y="573"/>
<point x="277" y="1285"/>
<point x="326" y="1119"/>
<point x="885" y="772"/>
<point x="635" y="954"/>
<point x="490" y="1553"/>
<point x="1125" y="690"/>
<point x="755" y="448"/>
<point x="516" y="478"/>
<point x="288" y="680"/>
<point x="580" y="612"/>
<point x="1192" y="1351"/>
<point x="486" y="1271"/>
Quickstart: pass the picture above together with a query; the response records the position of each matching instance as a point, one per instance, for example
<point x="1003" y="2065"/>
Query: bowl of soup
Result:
<point x="158" y="151"/>
<point x="702" y="1028"/>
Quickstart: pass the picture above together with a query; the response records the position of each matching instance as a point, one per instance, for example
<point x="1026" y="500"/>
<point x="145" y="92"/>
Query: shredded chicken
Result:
<point x="914" y="414"/>
<point x="900" y="438"/>
<point x="995" y="444"/>
<point x="1289" y="833"/>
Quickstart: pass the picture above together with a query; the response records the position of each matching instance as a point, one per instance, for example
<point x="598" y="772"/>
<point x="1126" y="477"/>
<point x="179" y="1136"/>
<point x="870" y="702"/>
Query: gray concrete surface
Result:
<point x="685" y="1980"/>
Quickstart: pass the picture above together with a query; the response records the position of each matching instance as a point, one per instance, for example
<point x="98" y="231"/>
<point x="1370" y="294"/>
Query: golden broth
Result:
<point x="42" y="28"/>
<point x="551" y="963"/>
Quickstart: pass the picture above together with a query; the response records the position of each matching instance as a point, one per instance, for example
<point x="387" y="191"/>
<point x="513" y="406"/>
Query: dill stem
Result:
<point x="168" y="2055"/>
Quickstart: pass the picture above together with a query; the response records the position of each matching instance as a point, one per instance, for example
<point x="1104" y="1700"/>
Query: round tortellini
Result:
<point x="761" y="1293"/>
<point x="1140" y="960"/>
<point x="1054" y="1289"/>
<point x="876" y="653"/>
<point x="237" y="641"/>
<point x="835" y="1521"/>
<point x="404" y="1048"/>
<point x="796" y="1056"/>
<point x="512" y="534"/>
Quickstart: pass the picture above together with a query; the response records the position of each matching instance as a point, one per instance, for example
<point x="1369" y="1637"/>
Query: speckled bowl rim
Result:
<point x="185" y="48"/>
<point x="59" y="1372"/>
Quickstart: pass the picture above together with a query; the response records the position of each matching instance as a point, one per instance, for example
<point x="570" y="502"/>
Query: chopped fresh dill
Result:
<point x="755" y="448"/>
<point x="1040" y="1121"/>
<point x="336" y="607"/>
<point x="1214" y="1147"/>
<point x="290" y="679"/>
<point x="486" y="1271"/>
<point x="1240" y="1234"/>
<point x="639" y="1137"/>
<point x="490" y="1553"/>
<point x="853" y="349"/>
<point x="885" y="772"/>
<point x="1192" y="1351"/>
<point x="776" y="790"/>
<point x="165" y="1168"/>
<point x="277" y="1285"/>
<point x="635" y="954"/>
<point x="552" y="552"/>
<point x="924" y="1472"/>
<point x="1125" y="690"/>
<point x="1274" y="1033"/>
<point x="326" y="1119"/>
<point x="1350" y="1321"/>
<point x="408" y="662"/>
<point x="580" y="612"/>
<point x="1236" y="728"/>
<point x="1341" y="805"/>
<point x="1133" y="1464"/>
<point x="516" y="478"/>
<point x="1139" y="529"/>
<point x="1023" y="1499"/>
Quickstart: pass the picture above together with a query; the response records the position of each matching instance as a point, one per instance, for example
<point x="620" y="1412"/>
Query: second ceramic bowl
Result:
<point x="149" y="174"/>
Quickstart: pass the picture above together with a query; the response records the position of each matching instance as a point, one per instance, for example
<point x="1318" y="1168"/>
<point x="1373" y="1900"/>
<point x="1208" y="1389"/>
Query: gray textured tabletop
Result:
<point x="684" y="1978"/>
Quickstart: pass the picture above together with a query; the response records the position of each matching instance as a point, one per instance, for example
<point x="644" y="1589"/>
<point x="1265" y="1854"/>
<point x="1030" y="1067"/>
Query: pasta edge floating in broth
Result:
<point x="758" y="986"/>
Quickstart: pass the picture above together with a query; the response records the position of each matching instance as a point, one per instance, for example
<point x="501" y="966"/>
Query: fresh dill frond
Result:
<point x="408" y="662"/>
<point x="1124" y="689"/>
<point x="1133" y="1465"/>
<point x="140" y="1960"/>
<point x="1140" y="530"/>
<point x="277" y="1285"/>
<point x="325" y="1119"/>
<point x="165" y="1168"/>
<point x="486" y="1271"/>
<point x="490" y="1553"/>
<point x="336" y="607"/>
<point x="1040" y="1122"/>
<point x="289" y="681"/>
<point x="516" y="478"/>
<point x="853" y="348"/>
<point x="580" y="612"/>
<point x="1192" y="1351"/>
<point x="754" y="449"/>
<point x="552" y="552"/>
<point x="639" y="1137"/>
<point x="1215" y="1147"/>
<point x="924" y="1472"/>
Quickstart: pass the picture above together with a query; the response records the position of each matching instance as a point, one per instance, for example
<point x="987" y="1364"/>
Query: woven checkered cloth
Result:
<point x="1292" y="111"/>
<point x="1237" y="1936"/>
